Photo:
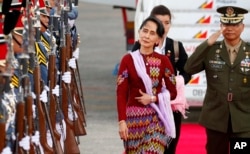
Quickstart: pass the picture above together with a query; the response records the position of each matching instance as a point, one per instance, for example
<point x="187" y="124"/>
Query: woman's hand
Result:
<point x="145" y="98"/>
<point x="123" y="130"/>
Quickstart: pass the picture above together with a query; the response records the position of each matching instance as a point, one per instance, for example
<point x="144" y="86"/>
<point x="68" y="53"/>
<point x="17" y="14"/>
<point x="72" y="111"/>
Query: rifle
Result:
<point x="70" y="141"/>
<point x="5" y="88"/>
<point x="25" y="100"/>
<point x="51" y="114"/>
<point x="11" y="63"/>
<point x="21" y="119"/>
<point x="2" y="127"/>
<point x="26" y="97"/>
<point x="77" y="95"/>
<point x="78" y="122"/>
<point x="54" y="108"/>
<point x="41" y="116"/>
<point x="28" y="110"/>
<point x="79" y="83"/>
<point x="70" y="144"/>
<point x="29" y="49"/>
<point x="3" y="119"/>
<point x="3" y="134"/>
<point x="20" y="109"/>
<point x="79" y="127"/>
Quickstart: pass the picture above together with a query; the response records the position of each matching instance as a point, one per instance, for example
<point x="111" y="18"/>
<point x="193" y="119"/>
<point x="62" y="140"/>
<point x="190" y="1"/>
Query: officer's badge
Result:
<point x="230" y="12"/>
<point x="245" y="65"/>
<point x="217" y="63"/>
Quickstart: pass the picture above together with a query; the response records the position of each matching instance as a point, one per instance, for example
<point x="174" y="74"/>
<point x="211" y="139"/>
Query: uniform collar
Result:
<point x="232" y="48"/>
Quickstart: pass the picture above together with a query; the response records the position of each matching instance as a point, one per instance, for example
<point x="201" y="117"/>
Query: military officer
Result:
<point x="226" y="108"/>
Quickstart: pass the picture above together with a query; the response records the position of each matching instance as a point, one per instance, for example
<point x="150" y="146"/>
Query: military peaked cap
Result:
<point x="231" y="14"/>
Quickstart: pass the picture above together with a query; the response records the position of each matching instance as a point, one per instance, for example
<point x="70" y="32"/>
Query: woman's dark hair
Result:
<point x="159" y="30"/>
<point x="161" y="10"/>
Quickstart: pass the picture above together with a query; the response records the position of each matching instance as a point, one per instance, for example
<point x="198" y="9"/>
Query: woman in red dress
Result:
<point x="145" y="86"/>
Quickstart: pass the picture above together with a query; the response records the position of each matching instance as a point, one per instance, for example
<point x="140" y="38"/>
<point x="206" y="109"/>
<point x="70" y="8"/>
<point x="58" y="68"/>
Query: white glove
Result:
<point x="55" y="91"/>
<point x="71" y="23"/>
<point x="36" y="138"/>
<point x="44" y="97"/>
<point x="66" y="77"/>
<point x="7" y="150"/>
<point x="72" y="63"/>
<point x="25" y="143"/>
<point x="76" y="53"/>
<point x="34" y="110"/>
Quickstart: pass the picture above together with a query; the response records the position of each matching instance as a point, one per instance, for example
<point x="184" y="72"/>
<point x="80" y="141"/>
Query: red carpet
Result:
<point x="192" y="139"/>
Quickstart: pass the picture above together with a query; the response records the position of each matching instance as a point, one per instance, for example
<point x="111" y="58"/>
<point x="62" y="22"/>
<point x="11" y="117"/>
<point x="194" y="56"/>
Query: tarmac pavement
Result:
<point x="102" y="45"/>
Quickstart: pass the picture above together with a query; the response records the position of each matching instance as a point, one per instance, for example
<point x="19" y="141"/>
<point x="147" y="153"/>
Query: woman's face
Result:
<point x="148" y="36"/>
<point x="166" y="22"/>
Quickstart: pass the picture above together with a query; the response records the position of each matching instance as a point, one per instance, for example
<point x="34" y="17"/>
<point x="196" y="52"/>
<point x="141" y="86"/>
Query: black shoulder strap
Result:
<point x="176" y="50"/>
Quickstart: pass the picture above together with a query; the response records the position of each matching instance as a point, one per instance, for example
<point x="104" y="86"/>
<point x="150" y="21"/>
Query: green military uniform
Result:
<point x="228" y="86"/>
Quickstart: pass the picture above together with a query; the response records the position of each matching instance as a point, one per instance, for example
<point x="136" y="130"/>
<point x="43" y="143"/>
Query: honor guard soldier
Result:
<point x="7" y="108"/>
<point x="17" y="41"/>
<point x="225" y="112"/>
<point x="3" y="109"/>
<point x="7" y="98"/>
<point x="48" y="41"/>
<point x="7" y="64"/>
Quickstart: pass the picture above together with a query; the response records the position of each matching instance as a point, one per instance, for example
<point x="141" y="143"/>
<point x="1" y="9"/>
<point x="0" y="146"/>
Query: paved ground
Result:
<point x="102" y="45"/>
